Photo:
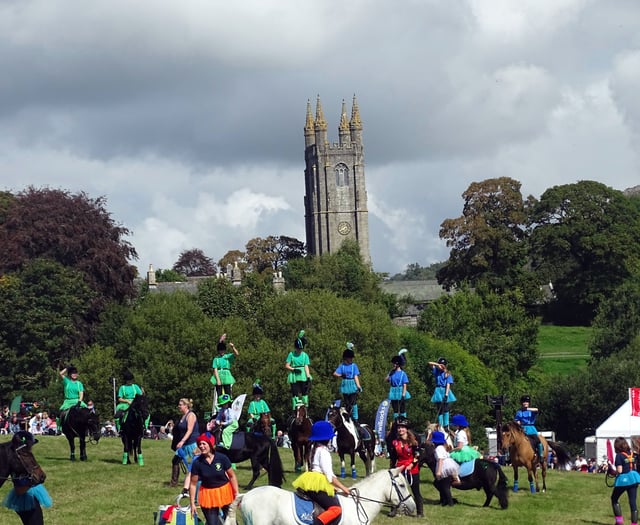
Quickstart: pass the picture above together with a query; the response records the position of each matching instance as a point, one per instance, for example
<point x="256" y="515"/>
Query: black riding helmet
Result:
<point x="403" y="422"/>
<point x="525" y="399"/>
<point x="23" y="438"/>
<point x="443" y="361"/>
<point x="348" y="354"/>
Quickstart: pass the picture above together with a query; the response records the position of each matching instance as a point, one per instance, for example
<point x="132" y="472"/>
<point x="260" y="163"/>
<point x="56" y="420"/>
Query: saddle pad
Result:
<point x="467" y="468"/>
<point x="303" y="510"/>
<point x="237" y="441"/>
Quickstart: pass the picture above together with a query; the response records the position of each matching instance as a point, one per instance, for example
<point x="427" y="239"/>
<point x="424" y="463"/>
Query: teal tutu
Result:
<point x="27" y="501"/>
<point x="629" y="478"/>
<point x="348" y="386"/>
<point x="465" y="454"/>
<point x="395" y="393"/>
<point x="438" y="395"/>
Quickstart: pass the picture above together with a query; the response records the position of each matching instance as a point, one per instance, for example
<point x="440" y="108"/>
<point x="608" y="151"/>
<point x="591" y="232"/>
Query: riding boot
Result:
<point x="445" y="418"/>
<point x="125" y="458"/>
<point x="175" y="474"/>
<point x="140" y="460"/>
<point x="440" y="420"/>
<point x="354" y="413"/>
<point x="634" y="517"/>
<point x="305" y="400"/>
<point x="617" y="512"/>
<point x="540" y="451"/>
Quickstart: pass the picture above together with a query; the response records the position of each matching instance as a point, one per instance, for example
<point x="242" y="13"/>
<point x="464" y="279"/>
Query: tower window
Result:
<point x="342" y="175"/>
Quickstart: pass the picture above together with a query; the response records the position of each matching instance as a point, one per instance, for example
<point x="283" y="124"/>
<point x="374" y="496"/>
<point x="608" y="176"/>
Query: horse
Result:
<point x="262" y="425"/>
<point x="448" y="434"/>
<point x="522" y="454"/>
<point x="263" y="453"/>
<point x="348" y="441"/>
<point x="299" y="432"/>
<point x="77" y="423"/>
<point x="132" y="429"/>
<point x="269" y="505"/>
<point x="486" y="475"/>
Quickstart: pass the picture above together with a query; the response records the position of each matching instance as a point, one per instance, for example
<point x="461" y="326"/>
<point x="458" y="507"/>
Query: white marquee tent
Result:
<point x="620" y="423"/>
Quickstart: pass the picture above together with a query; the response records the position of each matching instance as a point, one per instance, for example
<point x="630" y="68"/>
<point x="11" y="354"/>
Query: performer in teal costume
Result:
<point x="350" y="385"/>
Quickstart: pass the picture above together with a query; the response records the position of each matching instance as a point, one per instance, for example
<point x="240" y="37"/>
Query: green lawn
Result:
<point x="563" y="349"/>
<point x="102" y="491"/>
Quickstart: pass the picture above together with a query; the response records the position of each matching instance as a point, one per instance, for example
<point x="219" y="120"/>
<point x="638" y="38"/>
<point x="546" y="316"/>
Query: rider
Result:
<point x="73" y="390"/>
<point x="126" y="394"/>
<point x="350" y="385"/>
<point x="526" y="418"/>
<point x="442" y="394"/>
<point x="319" y="482"/>
<point x="463" y="450"/>
<point x="222" y="377"/>
<point x="299" y="377"/>
<point x="398" y="393"/>
<point x="225" y="422"/>
<point x="257" y="407"/>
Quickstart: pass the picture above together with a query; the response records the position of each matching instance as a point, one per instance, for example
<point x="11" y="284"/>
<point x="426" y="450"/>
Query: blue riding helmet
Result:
<point x="459" y="420"/>
<point x="321" y="431"/>
<point x="437" y="438"/>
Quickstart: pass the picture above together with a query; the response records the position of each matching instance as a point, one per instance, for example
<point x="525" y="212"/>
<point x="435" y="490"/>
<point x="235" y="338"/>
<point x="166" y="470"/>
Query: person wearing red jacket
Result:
<point x="404" y="453"/>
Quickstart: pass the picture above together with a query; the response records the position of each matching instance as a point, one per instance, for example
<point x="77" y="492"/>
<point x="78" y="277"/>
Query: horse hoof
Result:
<point x="72" y="457"/>
<point x="83" y="458"/>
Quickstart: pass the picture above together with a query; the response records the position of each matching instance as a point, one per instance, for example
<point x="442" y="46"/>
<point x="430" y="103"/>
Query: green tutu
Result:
<point x="465" y="454"/>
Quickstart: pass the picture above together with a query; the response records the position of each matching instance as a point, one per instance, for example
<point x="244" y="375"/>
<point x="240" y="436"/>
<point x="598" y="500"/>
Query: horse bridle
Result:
<point x="363" y="518"/>
<point x="29" y="472"/>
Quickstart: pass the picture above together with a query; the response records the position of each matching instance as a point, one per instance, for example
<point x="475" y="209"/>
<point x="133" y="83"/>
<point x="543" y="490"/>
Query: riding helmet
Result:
<point x="403" y="422"/>
<point x="525" y="399"/>
<point x="321" y="431"/>
<point x="350" y="345"/>
<point x="437" y="438"/>
<point x="207" y="437"/>
<point x="223" y="400"/>
<point x="23" y="438"/>
<point x="221" y="347"/>
<point x="348" y="354"/>
<point x="301" y="341"/>
<point x="459" y="420"/>
<point x="127" y="376"/>
<point x="397" y="360"/>
<point x="443" y="361"/>
<point x="72" y="370"/>
<point x="257" y="389"/>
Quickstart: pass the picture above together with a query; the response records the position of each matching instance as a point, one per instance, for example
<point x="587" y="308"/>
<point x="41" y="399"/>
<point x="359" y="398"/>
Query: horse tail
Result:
<point x="276" y="472"/>
<point x="231" y="514"/>
<point x="501" y="491"/>
<point x="563" y="454"/>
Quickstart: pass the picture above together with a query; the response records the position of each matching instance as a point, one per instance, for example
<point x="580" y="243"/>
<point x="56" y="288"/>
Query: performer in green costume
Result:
<point x="126" y="394"/>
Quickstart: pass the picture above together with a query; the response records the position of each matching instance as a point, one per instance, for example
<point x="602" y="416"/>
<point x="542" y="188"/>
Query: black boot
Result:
<point x="634" y="517"/>
<point x="175" y="474"/>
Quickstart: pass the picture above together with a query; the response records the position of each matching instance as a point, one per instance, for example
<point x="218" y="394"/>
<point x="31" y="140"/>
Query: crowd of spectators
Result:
<point x="30" y="418"/>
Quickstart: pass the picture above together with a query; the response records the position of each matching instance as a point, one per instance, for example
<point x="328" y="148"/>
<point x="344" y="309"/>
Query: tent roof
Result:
<point x="620" y="423"/>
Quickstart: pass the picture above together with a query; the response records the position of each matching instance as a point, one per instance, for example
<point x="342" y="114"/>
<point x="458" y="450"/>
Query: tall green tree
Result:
<point x="273" y="252"/>
<point x="586" y="242"/>
<point x="489" y="241"/>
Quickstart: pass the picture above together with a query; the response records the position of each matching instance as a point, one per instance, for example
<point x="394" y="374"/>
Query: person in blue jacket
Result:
<point x="350" y="385"/>
<point x="526" y="418"/>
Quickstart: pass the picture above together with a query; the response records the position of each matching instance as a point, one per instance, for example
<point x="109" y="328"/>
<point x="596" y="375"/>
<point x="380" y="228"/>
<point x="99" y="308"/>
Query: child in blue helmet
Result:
<point x="463" y="450"/>
<point x="350" y="384"/>
<point x="320" y="482"/>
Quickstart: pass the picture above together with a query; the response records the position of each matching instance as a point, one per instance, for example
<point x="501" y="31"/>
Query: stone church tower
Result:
<point x="335" y="200"/>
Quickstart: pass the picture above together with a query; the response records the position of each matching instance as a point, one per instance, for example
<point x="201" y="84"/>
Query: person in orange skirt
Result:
<point x="219" y="485"/>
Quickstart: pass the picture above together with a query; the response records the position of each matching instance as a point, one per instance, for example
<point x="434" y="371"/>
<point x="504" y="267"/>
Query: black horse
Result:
<point x="17" y="462"/>
<point x="132" y="430"/>
<point x="263" y="453"/>
<point x="349" y="440"/>
<point x="486" y="475"/>
<point x="79" y="422"/>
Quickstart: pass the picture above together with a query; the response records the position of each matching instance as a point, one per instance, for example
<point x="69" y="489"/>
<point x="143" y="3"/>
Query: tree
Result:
<point x="194" y="263"/>
<point x="415" y="272"/>
<point x="43" y="323"/>
<point x="489" y="241"/>
<point x="73" y="230"/>
<point x="231" y="258"/>
<point x="586" y="241"/>
<point x="272" y="253"/>
<point x="169" y="276"/>
<point x="617" y="322"/>
<point x="494" y="327"/>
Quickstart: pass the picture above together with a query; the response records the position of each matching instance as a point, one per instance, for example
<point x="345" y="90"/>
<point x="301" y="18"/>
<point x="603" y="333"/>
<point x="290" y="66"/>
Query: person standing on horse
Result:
<point x="73" y="390"/>
<point x="442" y="394"/>
<point x="526" y="418"/>
<point x="299" y="377"/>
<point x="350" y="385"/>
<point x="463" y="451"/>
<point x="320" y="482"/>
<point x="404" y="452"/>
<point x="225" y="423"/>
<point x="222" y="377"/>
<point x="627" y="479"/>
<point x="218" y="482"/>
<point x="398" y="393"/>
<point x="186" y="432"/>
<point x="126" y="394"/>
<point x="257" y="407"/>
<point x="26" y="500"/>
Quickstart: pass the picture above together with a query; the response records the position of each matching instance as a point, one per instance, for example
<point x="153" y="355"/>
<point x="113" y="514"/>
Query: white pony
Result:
<point x="269" y="505"/>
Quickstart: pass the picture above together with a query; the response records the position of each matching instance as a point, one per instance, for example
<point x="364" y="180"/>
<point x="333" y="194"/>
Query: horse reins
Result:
<point x="363" y="518"/>
<point x="29" y="472"/>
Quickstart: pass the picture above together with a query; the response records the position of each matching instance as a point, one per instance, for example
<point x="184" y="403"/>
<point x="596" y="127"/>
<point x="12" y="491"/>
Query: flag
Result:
<point x="236" y="406"/>
<point x="634" y="396"/>
<point x="381" y="419"/>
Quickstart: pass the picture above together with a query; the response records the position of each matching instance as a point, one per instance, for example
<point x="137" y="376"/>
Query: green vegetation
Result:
<point x="103" y="492"/>
<point x="563" y="349"/>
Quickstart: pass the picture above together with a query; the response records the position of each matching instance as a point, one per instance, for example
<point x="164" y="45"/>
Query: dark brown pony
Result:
<point x="299" y="433"/>
<point x="262" y="425"/>
<point x="522" y="454"/>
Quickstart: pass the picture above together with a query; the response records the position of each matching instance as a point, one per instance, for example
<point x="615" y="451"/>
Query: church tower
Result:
<point x="335" y="200"/>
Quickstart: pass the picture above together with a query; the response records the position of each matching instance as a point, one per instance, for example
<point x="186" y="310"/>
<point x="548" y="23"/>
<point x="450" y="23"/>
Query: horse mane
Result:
<point x="512" y="426"/>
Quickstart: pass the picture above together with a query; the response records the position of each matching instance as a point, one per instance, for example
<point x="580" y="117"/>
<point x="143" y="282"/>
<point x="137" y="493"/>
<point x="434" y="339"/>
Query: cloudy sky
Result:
<point x="188" y="116"/>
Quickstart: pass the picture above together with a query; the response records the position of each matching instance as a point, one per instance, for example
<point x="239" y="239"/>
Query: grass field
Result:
<point x="563" y="349"/>
<point x="102" y="491"/>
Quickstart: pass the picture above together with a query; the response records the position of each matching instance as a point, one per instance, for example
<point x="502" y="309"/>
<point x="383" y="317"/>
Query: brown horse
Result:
<point x="262" y="425"/>
<point x="522" y="454"/>
<point x="299" y="433"/>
